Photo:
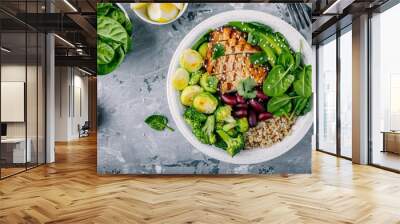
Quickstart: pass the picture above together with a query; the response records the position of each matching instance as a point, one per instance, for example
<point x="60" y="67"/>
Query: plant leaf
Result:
<point x="158" y="122"/>
<point x="278" y="81"/>
<point x="277" y="102"/>
<point x="110" y="29"/>
<point x="218" y="51"/>
<point x="105" y="53"/>
<point x="246" y="87"/>
<point x="302" y="85"/>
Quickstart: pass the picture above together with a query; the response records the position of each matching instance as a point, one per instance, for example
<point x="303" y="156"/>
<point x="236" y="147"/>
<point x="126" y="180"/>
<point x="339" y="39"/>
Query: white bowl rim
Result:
<point x="144" y="18"/>
<point x="258" y="155"/>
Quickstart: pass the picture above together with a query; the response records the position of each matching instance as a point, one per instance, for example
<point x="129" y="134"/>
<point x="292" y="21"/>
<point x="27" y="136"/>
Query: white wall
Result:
<point x="70" y="83"/>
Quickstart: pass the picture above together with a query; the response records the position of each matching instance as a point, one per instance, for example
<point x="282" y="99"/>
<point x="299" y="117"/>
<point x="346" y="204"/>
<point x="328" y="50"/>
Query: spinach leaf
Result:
<point x="105" y="53"/>
<point x="284" y="111"/>
<point x="110" y="29"/>
<point x="286" y="60"/>
<point x="201" y="40"/>
<point x="103" y="8"/>
<point x="269" y="52"/>
<point x="308" y="106"/>
<point x="300" y="103"/>
<point x="297" y="59"/>
<point x="158" y="122"/>
<point x="277" y="102"/>
<point x="103" y="69"/>
<point x="246" y="89"/>
<point x="259" y="58"/>
<point x="302" y="85"/>
<point x="218" y="51"/>
<point x="278" y="81"/>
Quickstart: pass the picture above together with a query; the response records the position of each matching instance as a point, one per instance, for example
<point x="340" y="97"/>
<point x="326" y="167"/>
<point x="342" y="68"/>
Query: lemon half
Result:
<point x="162" y="12"/>
<point x="138" y="5"/>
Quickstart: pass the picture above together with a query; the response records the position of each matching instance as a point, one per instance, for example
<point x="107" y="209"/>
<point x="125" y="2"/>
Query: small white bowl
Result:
<point x="142" y="14"/>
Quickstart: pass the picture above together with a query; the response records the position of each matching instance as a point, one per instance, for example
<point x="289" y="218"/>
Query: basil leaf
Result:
<point x="158" y="122"/>
<point x="302" y="85"/>
<point x="278" y="81"/>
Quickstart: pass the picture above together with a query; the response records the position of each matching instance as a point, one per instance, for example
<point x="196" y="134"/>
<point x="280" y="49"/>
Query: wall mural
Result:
<point x="204" y="88"/>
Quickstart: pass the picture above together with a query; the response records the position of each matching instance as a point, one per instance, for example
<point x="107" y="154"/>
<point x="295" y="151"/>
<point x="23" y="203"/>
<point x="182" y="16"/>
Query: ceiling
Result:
<point x="73" y="21"/>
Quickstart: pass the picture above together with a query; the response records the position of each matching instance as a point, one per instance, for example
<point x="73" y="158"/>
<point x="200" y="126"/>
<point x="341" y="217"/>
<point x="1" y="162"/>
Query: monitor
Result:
<point x="3" y="129"/>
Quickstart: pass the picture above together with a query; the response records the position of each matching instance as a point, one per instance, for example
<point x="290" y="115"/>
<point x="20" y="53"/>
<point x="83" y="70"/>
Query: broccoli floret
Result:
<point x="208" y="130"/>
<point x="242" y="125"/>
<point x="234" y="144"/>
<point x="220" y="144"/>
<point x="223" y="114"/>
<point x="232" y="132"/>
<point x="193" y="118"/>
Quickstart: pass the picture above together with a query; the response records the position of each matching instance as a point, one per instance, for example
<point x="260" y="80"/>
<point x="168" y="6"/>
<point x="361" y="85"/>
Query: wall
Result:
<point x="71" y="102"/>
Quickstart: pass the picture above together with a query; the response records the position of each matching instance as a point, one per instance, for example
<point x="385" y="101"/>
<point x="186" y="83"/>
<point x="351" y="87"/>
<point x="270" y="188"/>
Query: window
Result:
<point x="346" y="92"/>
<point x="385" y="89"/>
<point x="327" y="96"/>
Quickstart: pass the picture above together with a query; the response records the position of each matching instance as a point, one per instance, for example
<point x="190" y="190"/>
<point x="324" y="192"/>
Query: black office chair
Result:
<point x="84" y="130"/>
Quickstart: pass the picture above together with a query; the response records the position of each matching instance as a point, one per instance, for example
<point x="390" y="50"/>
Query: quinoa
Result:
<point x="268" y="132"/>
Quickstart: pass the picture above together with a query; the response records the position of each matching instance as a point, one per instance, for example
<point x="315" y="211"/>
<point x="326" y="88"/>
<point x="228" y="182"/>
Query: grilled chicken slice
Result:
<point x="235" y="64"/>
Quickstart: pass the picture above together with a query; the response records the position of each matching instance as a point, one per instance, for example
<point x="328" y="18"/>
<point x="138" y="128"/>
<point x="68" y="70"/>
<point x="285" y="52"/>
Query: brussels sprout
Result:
<point x="180" y="79"/>
<point x="209" y="83"/>
<point x="205" y="103"/>
<point x="189" y="93"/>
<point x="203" y="50"/>
<point x="191" y="60"/>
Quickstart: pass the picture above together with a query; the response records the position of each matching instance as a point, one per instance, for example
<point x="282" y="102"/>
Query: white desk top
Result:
<point x="13" y="140"/>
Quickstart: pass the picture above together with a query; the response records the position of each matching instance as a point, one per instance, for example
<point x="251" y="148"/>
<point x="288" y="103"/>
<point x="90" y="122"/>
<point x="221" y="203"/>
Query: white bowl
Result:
<point x="142" y="14"/>
<point x="256" y="155"/>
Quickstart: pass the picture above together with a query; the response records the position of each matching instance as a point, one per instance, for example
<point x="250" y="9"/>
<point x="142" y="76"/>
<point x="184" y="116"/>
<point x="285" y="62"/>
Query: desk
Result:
<point x="18" y="149"/>
<point x="391" y="141"/>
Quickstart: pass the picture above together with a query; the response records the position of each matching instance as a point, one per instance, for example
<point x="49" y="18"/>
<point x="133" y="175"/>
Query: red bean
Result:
<point x="240" y="113"/>
<point x="240" y="99"/>
<point x="228" y="99"/>
<point x="241" y="106"/>
<point x="264" y="116"/>
<point x="258" y="107"/>
<point x="252" y="118"/>
<point x="260" y="95"/>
